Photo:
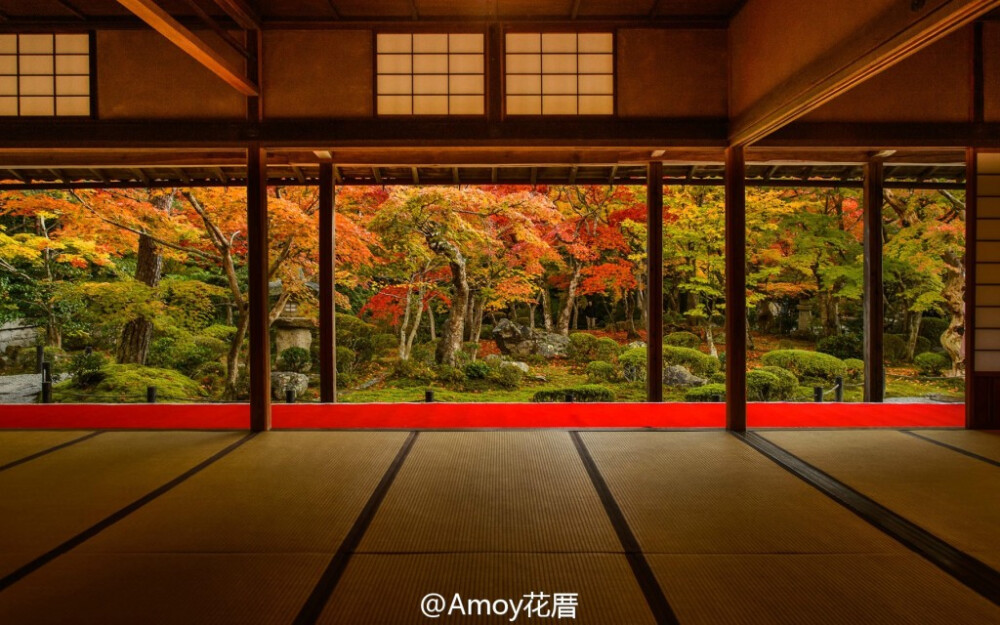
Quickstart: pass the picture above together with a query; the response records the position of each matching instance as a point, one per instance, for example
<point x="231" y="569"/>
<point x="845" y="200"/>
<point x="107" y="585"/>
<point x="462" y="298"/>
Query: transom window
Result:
<point x="44" y="75"/>
<point x="560" y="74"/>
<point x="430" y="74"/>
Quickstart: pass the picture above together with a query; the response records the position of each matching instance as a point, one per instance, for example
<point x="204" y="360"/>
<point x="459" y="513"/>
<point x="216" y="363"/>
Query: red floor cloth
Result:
<point x="441" y="415"/>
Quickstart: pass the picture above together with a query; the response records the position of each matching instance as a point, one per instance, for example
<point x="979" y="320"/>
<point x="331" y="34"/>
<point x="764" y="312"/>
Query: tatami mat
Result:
<point x="51" y="499"/>
<point x="492" y="491"/>
<point x="380" y="589"/>
<point x="707" y="492"/>
<point x="15" y="445"/>
<point x="986" y="444"/>
<point x="952" y="496"/>
<point x="274" y="510"/>
<point x="816" y="589"/>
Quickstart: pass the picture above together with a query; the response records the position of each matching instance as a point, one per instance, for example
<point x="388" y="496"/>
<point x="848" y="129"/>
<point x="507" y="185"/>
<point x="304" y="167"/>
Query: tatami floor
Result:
<point x="356" y="527"/>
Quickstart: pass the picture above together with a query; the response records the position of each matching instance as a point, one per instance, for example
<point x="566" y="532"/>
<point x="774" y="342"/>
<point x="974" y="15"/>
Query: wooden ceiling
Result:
<point x="378" y="10"/>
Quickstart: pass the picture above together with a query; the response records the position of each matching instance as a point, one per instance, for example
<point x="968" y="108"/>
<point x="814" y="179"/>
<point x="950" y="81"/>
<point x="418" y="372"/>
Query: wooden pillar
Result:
<point x="327" y="308"/>
<point x="258" y="266"/>
<point x="654" y="281"/>
<point x="874" y="307"/>
<point x="736" y="292"/>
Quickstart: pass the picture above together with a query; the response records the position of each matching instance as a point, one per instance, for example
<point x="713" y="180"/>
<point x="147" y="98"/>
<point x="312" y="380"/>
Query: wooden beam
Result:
<point x="573" y="12"/>
<point x="883" y="42"/>
<point x="333" y="9"/>
<point x="241" y="13"/>
<point x="736" y="291"/>
<point x="414" y="13"/>
<point x="77" y="13"/>
<point x="327" y="285"/>
<point x="217" y="28"/>
<point x="258" y="264"/>
<point x="654" y="281"/>
<point x="874" y="307"/>
<point x="415" y="174"/>
<point x="180" y="36"/>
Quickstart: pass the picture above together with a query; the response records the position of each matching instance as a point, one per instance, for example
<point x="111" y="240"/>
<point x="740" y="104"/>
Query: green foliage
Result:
<point x="932" y="363"/>
<point x="805" y="364"/>
<point x="477" y="370"/>
<point x="295" y="359"/>
<point x="600" y="371"/>
<point x="448" y="375"/>
<point x="587" y="393"/>
<point x="698" y="363"/>
<point x="87" y="369"/>
<point x="358" y="335"/>
<point x="706" y="393"/>
<point x="894" y="346"/>
<point x="184" y="351"/>
<point x="606" y="348"/>
<point x="413" y="370"/>
<point x="840" y="345"/>
<point x="633" y="361"/>
<point x="581" y="346"/>
<point x="505" y="376"/>
<point x="220" y="332"/>
<point x="771" y="384"/>
<point x="346" y="360"/>
<point x="931" y="328"/>
<point x="128" y="383"/>
<point x="682" y="339"/>
<point x="718" y="377"/>
<point x="855" y="369"/>
<point x="424" y="352"/>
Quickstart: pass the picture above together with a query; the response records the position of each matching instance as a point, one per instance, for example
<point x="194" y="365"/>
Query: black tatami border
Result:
<point x="313" y="608"/>
<point x="113" y="518"/>
<point x="644" y="575"/>
<point x="45" y="452"/>
<point x="971" y="572"/>
<point x="964" y="452"/>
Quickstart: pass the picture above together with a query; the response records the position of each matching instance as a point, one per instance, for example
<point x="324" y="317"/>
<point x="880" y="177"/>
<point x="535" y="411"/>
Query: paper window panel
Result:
<point x="8" y="106"/>
<point x="36" y="44"/>
<point x="430" y="63"/>
<point x="437" y="73"/>
<point x="465" y="64"/>
<point x="433" y="85"/>
<point x="8" y="44"/>
<point x="469" y="43"/>
<point x="72" y="44"/>
<point x="37" y="106"/>
<point x="8" y="65"/>
<point x="466" y="105"/>
<point x="430" y="43"/>
<point x="571" y="73"/>
<point x="45" y="74"/>
<point x="430" y="105"/>
<point x="72" y="105"/>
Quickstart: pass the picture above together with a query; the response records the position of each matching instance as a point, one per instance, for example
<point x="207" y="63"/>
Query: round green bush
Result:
<point x="718" y="377"/>
<point x="295" y="359"/>
<point x="840" y="345"/>
<point x="894" y="347"/>
<point x="931" y="328"/>
<point x="412" y="370"/>
<point x="505" y="376"/>
<point x="477" y="370"/>
<point x="932" y="363"/>
<point x="706" y="393"/>
<point x="219" y="331"/>
<point x="682" y="339"/>
<point x="633" y="363"/>
<point x="346" y="360"/>
<point x="855" y="369"/>
<point x="759" y="384"/>
<point x="805" y="364"/>
<point x="446" y="374"/>
<point x="787" y="386"/>
<point x="582" y="346"/>
<point x="586" y="393"/>
<point x="698" y="363"/>
<point x="600" y="371"/>
<point x="606" y="348"/>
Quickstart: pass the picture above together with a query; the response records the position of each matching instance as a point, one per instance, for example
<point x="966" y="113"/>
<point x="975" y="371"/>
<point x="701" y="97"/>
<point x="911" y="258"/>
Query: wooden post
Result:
<point x="327" y="307"/>
<point x="873" y="304"/>
<point x="736" y="292"/>
<point x="654" y="281"/>
<point x="258" y="265"/>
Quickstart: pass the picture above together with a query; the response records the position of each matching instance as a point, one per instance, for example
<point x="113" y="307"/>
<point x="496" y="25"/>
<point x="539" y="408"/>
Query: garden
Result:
<point x="477" y="294"/>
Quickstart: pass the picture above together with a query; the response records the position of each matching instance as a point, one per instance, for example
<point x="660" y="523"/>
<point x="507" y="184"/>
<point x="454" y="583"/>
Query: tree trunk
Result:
<point x="531" y="314"/>
<point x="233" y="356"/>
<point x="477" y="319"/>
<point x="133" y="348"/>
<point x="546" y="309"/>
<point x="430" y="322"/>
<point x="566" y="314"/>
<point x="468" y="330"/>
<point x="710" y="339"/>
<point x="954" y="289"/>
<point x="914" y="334"/>
<point x="451" y="335"/>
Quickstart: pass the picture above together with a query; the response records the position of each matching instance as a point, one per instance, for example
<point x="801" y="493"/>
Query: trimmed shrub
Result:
<point x="606" y="348"/>
<point x="931" y="328"/>
<point x="682" y="339"/>
<point x="718" y="378"/>
<point x="855" y="369"/>
<point x="706" y="393"/>
<point x="87" y="369"/>
<point x="932" y="363"/>
<point x="220" y="331"/>
<point x="346" y="359"/>
<point x="787" y="386"/>
<point x="600" y="371"/>
<point x="805" y="364"/>
<point x="412" y="370"/>
<point x="585" y="393"/>
<point x="581" y="346"/>
<point x="446" y="374"/>
<point x="476" y="370"/>
<point x="506" y="377"/>
<point x="295" y="359"/>
<point x="840" y="345"/>
<point x="696" y="362"/>
<point x="894" y="346"/>
<point x="760" y="383"/>
<point x="633" y="363"/>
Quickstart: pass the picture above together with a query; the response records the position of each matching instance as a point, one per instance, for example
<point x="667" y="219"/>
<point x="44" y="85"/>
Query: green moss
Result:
<point x="127" y="384"/>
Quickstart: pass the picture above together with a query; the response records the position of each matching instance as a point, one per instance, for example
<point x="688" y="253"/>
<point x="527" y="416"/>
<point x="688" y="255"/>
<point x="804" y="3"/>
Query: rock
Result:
<point x="516" y="340"/>
<point x="282" y="381"/>
<point x="676" y="375"/>
<point x="523" y="366"/>
<point x="636" y="345"/>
